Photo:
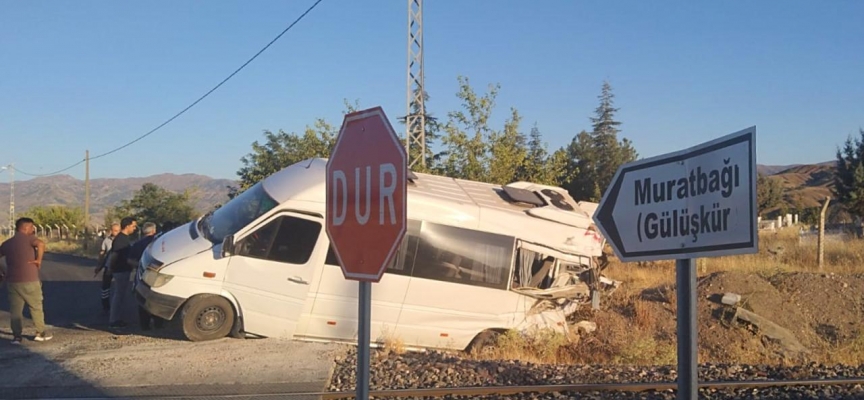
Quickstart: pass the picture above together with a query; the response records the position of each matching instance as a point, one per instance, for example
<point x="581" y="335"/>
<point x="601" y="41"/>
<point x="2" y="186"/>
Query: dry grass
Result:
<point x="69" y="246"/>
<point x="785" y="251"/>
<point x="73" y="247"/>
<point x="619" y="340"/>
<point x="390" y="342"/>
<point x="541" y="346"/>
<point x="849" y="354"/>
<point x="643" y="315"/>
<point x="780" y="251"/>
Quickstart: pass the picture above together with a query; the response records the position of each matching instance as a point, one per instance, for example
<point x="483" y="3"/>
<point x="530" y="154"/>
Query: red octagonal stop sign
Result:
<point x="366" y="195"/>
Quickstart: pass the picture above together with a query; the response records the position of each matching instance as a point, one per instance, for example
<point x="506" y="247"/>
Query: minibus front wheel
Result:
<point x="207" y="317"/>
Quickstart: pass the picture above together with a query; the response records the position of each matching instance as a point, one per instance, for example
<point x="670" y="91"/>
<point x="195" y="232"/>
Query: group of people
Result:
<point x="118" y="260"/>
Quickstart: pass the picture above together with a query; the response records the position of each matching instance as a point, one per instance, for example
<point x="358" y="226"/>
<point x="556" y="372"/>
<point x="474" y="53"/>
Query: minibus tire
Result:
<point x="485" y="340"/>
<point x="207" y="317"/>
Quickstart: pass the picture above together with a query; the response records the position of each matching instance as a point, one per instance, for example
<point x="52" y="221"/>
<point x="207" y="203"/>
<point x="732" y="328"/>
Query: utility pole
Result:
<point x="11" y="198"/>
<point x="415" y="120"/>
<point x="11" y="169"/>
<point x="86" y="197"/>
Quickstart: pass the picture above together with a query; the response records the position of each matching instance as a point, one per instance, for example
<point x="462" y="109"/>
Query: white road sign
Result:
<point x="692" y="203"/>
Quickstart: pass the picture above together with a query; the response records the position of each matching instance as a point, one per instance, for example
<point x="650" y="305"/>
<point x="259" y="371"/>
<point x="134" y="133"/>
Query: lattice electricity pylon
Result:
<point x="415" y="120"/>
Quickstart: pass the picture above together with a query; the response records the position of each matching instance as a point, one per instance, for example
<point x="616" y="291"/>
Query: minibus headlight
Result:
<point x="155" y="279"/>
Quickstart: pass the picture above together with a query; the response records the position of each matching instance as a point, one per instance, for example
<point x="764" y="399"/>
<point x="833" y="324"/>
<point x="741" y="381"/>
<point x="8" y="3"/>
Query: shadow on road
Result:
<point x="31" y="369"/>
<point x="24" y="367"/>
<point x="86" y="358"/>
<point x="71" y="301"/>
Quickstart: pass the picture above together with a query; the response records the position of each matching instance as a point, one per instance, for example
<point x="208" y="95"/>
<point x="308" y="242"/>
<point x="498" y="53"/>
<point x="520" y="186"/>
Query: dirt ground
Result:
<point x="823" y="311"/>
<point x="82" y="357"/>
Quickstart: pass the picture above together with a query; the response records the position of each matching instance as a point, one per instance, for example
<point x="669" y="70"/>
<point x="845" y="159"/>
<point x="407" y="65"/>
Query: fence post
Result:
<point x="821" y="244"/>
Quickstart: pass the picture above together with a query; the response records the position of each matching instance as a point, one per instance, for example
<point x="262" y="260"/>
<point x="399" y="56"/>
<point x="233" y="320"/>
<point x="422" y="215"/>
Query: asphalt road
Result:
<point x="86" y="359"/>
<point x="71" y="296"/>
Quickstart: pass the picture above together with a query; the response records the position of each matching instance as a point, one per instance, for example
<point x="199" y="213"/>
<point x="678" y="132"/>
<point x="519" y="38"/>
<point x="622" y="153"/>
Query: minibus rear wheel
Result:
<point x="207" y="317"/>
<point x="484" y="341"/>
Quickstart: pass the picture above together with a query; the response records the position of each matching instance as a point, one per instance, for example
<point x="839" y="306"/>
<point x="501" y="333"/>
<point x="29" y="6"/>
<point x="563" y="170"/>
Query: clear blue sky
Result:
<point x="96" y="74"/>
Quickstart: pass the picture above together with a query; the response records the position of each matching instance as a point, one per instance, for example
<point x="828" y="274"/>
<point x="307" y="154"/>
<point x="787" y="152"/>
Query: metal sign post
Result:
<point x="363" y="339"/>
<point x="688" y="357"/>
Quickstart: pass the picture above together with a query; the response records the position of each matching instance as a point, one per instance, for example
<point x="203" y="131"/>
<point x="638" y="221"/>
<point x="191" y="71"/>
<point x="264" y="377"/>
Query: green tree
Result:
<point x="595" y="157"/>
<point x="535" y="157"/>
<point x="581" y="167"/>
<point x="465" y="134"/>
<point x="556" y="172"/>
<point x="72" y="217"/>
<point x="351" y="107"/>
<point x="849" y="179"/>
<point x="612" y="153"/>
<point x="769" y="193"/>
<point x="153" y="203"/>
<point x="283" y="149"/>
<point x="539" y="166"/>
<point x="507" y="151"/>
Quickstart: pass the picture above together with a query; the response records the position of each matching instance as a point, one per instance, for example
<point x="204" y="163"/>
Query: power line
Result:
<point x="189" y="106"/>
<point x="52" y="173"/>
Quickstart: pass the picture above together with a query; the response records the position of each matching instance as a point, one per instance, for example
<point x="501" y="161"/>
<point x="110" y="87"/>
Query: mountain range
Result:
<point x="806" y="185"/>
<point x="65" y="190"/>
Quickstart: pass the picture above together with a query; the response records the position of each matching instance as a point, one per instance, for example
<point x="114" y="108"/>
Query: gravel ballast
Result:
<point x="439" y="369"/>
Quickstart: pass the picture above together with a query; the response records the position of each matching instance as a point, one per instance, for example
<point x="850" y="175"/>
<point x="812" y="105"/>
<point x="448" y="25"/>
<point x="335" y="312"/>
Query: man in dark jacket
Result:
<point x="149" y="231"/>
<point x="121" y="269"/>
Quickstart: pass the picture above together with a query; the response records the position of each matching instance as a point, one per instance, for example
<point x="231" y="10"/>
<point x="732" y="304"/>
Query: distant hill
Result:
<point x="107" y="192"/>
<point x="772" y="169"/>
<point x="807" y="185"/>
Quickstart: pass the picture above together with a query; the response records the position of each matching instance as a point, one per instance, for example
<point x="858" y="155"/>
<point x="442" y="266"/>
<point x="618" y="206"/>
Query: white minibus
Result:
<point x="477" y="259"/>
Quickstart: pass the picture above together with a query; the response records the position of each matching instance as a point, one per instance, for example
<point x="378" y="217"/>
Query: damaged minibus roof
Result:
<point x="538" y="214"/>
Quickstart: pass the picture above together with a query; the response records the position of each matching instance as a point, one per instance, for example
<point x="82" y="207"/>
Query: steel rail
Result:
<point x="589" y="387"/>
<point x="505" y="390"/>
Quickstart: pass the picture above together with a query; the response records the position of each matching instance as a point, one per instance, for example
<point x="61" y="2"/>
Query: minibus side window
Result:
<point x="257" y="244"/>
<point x="285" y="239"/>
<point x="465" y="256"/>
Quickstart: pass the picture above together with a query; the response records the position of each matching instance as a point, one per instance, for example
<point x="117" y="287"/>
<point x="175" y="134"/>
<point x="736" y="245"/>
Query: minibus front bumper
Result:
<point x="157" y="304"/>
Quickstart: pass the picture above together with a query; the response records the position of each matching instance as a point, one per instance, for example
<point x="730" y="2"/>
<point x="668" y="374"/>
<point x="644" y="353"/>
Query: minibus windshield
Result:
<point x="236" y="214"/>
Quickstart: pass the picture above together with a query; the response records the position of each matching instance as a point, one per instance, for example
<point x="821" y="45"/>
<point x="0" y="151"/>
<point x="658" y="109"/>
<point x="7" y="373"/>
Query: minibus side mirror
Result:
<point x="228" y="246"/>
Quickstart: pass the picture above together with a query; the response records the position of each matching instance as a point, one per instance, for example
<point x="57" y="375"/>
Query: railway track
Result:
<point x="588" y="387"/>
<point x="510" y="390"/>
